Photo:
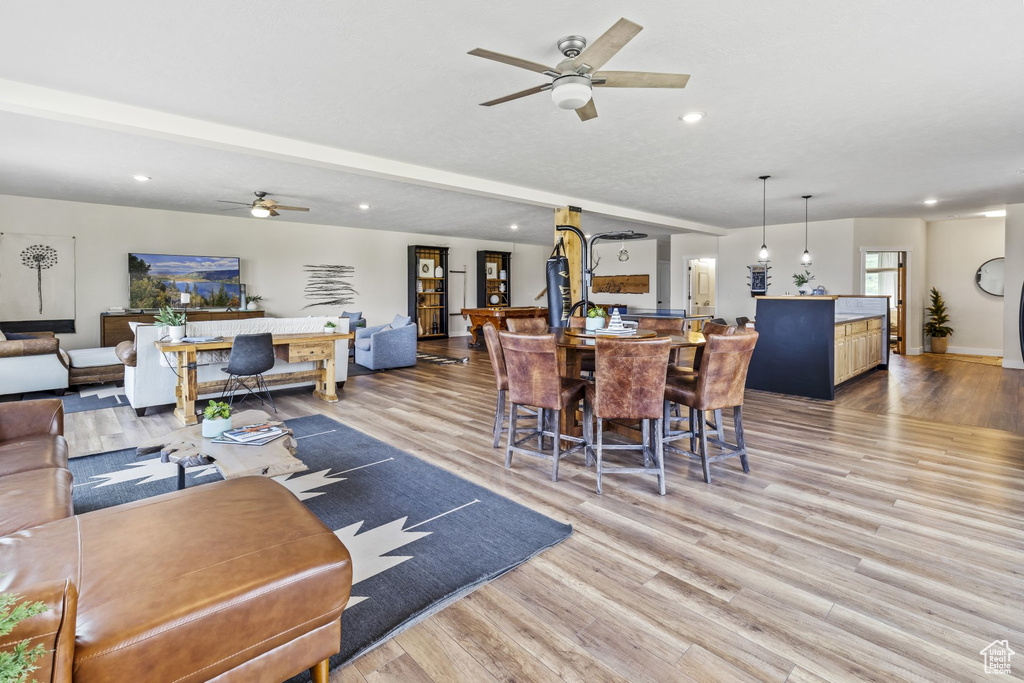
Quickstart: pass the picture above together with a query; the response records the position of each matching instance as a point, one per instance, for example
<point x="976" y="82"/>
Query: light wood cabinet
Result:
<point x="858" y="348"/>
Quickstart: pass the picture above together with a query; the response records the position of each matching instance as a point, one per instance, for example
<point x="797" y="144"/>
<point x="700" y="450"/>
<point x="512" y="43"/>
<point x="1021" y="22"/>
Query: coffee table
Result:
<point x="186" y="447"/>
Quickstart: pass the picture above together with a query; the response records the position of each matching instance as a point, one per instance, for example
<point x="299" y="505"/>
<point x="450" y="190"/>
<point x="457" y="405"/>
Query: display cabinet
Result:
<point x="493" y="279"/>
<point x="428" y="290"/>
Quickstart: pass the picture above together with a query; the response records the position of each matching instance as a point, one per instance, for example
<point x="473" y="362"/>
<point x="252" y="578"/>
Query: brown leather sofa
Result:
<point x="228" y="581"/>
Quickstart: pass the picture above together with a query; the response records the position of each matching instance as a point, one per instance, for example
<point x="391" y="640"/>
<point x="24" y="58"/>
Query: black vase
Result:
<point x="433" y="328"/>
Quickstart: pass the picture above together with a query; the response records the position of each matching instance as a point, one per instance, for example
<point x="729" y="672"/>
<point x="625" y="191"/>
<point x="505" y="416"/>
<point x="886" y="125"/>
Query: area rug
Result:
<point x="439" y="360"/>
<point x="420" y="537"/>
<point x="88" y="397"/>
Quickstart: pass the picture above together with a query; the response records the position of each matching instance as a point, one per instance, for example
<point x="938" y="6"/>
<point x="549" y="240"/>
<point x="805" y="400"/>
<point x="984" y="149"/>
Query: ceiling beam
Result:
<point x="58" y="105"/>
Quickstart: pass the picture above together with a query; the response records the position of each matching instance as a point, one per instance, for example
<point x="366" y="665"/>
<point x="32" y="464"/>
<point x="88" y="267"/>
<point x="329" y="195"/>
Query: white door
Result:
<point x="701" y="296"/>
<point x="664" y="284"/>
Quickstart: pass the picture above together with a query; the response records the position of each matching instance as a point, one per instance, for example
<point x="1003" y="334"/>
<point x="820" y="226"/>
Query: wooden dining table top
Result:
<point x="681" y="340"/>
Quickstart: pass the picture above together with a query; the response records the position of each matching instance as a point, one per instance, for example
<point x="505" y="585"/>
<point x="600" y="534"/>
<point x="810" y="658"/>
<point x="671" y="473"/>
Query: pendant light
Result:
<point x="806" y="258"/>
<point x="762" y="256"/>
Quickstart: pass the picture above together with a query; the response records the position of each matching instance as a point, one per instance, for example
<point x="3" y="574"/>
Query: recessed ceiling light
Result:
<point x="994" y="214"/>
<point x="364" y="206"/>
<point x="692" y="117"/>
<point x="513" y="227"/>
<point x="931" y="202"/>
<point x="141" y="178"/>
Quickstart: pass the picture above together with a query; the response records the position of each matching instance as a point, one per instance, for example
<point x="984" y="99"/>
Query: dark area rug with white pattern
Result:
<point x="420" y="537"/>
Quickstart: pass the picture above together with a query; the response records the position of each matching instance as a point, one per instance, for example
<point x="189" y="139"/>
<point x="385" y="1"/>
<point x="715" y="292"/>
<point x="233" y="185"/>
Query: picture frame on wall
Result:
<point x="491" y="271"/>
<point x="425" y="268"/>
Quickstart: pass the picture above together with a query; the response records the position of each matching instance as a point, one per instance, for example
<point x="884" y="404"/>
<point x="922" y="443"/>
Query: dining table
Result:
<point x="573" y="343"/>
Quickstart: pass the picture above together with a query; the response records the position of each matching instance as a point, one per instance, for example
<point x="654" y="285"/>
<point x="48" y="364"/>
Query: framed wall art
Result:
<point x="37" y="283"/>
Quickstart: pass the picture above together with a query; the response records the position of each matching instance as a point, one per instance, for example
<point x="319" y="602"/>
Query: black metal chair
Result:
<point x="718" y="321"/>
<point x="742" y="320"/>
<point x="251" y="356"/>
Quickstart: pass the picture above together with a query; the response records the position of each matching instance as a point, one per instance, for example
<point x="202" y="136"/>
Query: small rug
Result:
<point x="88" y="397"/>
<point x="420" y="537"/>
<point x="355" y="369"/>
<point x="439" y="360"/>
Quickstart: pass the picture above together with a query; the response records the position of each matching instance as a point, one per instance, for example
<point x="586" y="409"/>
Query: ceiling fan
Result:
<point x="576" y="75"/>
<point x="261" y="207"/>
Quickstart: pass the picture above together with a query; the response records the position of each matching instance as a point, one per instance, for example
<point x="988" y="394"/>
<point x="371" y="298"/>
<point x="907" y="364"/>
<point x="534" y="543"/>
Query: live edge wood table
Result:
<point x="186" y="447"/>
<point x="478" y="317"/>
<point x="293" y="348"/>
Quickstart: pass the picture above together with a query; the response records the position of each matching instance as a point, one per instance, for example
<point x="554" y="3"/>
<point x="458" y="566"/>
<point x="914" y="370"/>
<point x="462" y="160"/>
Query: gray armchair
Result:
<point x="387" y="346"/>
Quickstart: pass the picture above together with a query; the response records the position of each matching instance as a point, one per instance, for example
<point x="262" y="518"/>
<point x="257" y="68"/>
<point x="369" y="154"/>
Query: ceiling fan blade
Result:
<point x="587" y="111"/>
<point x="224" y="201"/>
<point x="639" y="79"/>
<point x="274" y="213"/>
<point x="516" y="96"/>
<point x="279" y="207"/>
<point x="267" y="202"/>
<point x="233" y="208"/>
<point x="604" y="48"/>
<point x="512" y="61"/>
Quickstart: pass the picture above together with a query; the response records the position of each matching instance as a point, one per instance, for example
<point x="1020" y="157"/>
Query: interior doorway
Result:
<point x="701" y="295"/>
<point x="885" y="274"/>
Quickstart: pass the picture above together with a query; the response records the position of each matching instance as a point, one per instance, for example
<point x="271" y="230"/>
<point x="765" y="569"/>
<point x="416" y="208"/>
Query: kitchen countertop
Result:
<point x="854" y="317"/>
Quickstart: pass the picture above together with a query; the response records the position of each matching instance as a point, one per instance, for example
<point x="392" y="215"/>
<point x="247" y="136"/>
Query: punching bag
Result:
<point x="559" y="293"/>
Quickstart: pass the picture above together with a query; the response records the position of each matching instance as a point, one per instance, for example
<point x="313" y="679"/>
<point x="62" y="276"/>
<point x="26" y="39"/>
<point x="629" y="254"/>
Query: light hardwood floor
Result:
<point x="867" y="542"/>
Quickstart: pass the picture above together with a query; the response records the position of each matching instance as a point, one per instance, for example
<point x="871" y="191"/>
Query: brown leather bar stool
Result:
<point x="527" y="325"/>
<point x="718" y="384"/>
<point x="500" y="377"/>
<point x="533" y="380"/>
<point x="630" y="385"/>
<point x="586" y="357"/>
<point x="668" y="326"/>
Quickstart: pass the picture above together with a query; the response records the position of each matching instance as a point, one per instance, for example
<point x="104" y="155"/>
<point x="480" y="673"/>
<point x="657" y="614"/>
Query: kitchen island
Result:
<point x="807" y="345"/>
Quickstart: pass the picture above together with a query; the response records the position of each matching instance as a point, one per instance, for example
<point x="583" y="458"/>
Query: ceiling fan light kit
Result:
<point x="262" y="206"/>
<point x="574" y="78"/>
<point x="260" y="212"/>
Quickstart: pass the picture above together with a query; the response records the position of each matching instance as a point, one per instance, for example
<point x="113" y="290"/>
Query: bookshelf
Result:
<point x="493" y="278"/>
<point x="428" y="290"/>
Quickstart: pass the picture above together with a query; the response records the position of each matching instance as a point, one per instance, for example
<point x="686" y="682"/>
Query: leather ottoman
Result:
<point x="91" y="366"/>
<point x="232" y="581"/>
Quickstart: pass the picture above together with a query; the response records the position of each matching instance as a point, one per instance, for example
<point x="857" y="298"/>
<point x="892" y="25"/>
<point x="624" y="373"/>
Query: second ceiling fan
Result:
<point x="262" y="207"/>
<point x="575" y="76"/>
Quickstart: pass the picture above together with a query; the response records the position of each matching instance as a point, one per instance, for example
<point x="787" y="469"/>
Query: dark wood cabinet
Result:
<point x="493" y="279"/>
<point x="114" y="327"/>
<point x="428" y="290"/>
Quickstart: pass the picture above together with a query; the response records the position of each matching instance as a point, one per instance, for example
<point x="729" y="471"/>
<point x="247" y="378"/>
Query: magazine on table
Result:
<point x="252" y="442"/>
<point x="252" y="432"/>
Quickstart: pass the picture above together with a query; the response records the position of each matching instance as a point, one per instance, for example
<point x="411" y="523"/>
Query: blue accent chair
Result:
<point x="387" y="346"/>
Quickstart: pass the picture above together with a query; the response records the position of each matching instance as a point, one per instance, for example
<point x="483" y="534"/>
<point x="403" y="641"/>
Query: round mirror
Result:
<point x="990" y="276"/>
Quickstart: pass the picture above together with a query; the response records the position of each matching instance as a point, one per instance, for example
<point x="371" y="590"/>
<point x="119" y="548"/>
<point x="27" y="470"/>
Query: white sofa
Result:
<point x="34" y="364"/>
<point x="152" y="379"/>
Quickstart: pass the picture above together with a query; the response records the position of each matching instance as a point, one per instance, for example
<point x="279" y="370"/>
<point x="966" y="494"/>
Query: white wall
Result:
<point x="1014" y="250"/>
<point x="955" y="251"/>
<point x="272" y="252"/>
<point x="643" y="260"/>
<point x="897" y="234"/>
<point x="685" y="247"/>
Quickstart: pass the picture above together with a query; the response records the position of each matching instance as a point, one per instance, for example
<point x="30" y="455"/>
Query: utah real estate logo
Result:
<point x="997" y="657"/>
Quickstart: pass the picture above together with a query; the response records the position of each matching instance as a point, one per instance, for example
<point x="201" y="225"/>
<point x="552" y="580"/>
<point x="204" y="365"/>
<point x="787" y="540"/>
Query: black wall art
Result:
<point x="327" y="285"/>
<point x="37" y="283"/>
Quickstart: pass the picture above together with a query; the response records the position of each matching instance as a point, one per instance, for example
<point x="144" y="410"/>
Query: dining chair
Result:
<point x="668" y="326"/>
<point x="742" y="321"/>
<point x="251" y="356"/>
<point x="500" y="377"/>
<point x="527" y="325"/>
<point x="718" y="384"/>
<point x="577" y="322"/>
<point x="534" y="380"/>
<point x="630" y="385"/>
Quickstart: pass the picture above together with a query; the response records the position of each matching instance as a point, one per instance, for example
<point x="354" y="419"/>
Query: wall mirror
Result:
<point x="990" y="276"/>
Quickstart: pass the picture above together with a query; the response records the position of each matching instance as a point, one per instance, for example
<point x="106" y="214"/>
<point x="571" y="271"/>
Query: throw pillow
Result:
<point x="400" y="321"/>
<point x="355" y="316"/>
<point x="13" y="336"/>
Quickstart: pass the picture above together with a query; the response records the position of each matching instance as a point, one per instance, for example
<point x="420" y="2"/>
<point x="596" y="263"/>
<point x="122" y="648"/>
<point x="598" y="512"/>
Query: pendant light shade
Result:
<point x="806" y="258"/>
<point x="762" y="256"/>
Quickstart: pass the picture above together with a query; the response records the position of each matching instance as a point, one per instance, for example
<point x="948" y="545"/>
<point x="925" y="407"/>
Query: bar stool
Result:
<point x="500" y="378"/>
<point x="668" y="326"/>
<point x="630" y="385"/>
<point x="533" y="380"/>
<point x="527" y="325"/>
<point x="718" y="384"/>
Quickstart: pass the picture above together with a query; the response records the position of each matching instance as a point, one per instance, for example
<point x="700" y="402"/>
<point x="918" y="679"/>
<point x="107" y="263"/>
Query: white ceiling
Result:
<point x="871" y="106"/>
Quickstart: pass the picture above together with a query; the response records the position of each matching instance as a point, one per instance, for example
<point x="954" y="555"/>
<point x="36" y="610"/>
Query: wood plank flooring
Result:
<point x="874" y="538"/>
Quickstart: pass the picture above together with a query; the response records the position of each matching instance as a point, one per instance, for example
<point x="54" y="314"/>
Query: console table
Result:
<point x="114" y="327"/>
<point x="293" y="348"/>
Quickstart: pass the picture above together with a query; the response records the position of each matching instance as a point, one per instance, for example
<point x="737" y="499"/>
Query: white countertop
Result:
<point x="852" y="317"/>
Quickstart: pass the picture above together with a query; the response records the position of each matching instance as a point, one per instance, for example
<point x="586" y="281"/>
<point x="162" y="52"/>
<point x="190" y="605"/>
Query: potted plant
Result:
<point x="216" y="419"/>
<point x="329" y="327"/>
<point x="18" y="662"/>
<point x="595" y="318"/>
<point x="937" y="327"/>
<point x="252" y="301"/>
<point x="803" y="281"/>
<point x="173" y="321"/>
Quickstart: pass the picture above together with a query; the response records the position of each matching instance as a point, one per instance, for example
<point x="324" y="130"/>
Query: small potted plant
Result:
<point x="803" y="282"/>
<point x="595" y="318"/>
<point x="252" y="301"/>
<point x="173" y="321"/>
<point x="937" y="327"/>
<point x="216" y="419"/>
<point x="329" y="327"/>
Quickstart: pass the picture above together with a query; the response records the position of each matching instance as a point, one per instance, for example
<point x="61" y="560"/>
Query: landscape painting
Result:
<point x="157" y="280"/>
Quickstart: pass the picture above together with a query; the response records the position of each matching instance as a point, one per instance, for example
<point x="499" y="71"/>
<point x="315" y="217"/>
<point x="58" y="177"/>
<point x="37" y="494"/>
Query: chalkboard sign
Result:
<point x="758" y="280"/>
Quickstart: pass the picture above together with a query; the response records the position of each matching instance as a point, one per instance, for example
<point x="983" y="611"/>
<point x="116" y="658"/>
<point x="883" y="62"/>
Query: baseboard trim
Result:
<point x="1013" y="364"/>
<point x="970" y="351"/>
<point x="914" y="350"/>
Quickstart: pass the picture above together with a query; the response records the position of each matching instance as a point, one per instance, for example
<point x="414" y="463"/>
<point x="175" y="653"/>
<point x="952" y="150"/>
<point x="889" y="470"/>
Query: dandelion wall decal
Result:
<point x="40" y="257"/>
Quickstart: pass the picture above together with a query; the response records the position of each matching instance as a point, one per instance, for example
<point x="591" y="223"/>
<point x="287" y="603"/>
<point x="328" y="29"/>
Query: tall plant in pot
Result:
<point x="216" y="419"/>
<point x="937" y="327"/>
<point x="173" y="321"/>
